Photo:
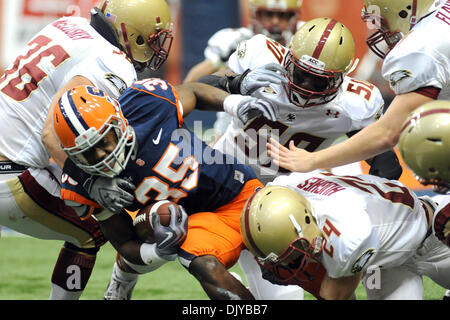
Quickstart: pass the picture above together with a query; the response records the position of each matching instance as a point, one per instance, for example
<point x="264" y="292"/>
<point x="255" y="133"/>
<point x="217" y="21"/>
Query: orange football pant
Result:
<point x="218" y="233"/>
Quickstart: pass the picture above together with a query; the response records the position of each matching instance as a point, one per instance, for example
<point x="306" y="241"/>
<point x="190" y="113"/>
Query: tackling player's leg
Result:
<point x="30" y="204"/>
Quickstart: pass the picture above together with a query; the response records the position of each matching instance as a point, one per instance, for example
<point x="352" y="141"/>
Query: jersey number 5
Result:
<point x="21" y="81"/>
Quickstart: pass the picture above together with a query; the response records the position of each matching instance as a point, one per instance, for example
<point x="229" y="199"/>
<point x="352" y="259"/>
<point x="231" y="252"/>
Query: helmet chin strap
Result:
<point x="297" y="227"/>
<point x="353" y="66"/>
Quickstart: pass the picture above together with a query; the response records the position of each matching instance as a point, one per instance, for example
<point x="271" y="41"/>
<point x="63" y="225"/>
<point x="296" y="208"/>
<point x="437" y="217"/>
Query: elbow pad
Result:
<point x="386" y="165"/>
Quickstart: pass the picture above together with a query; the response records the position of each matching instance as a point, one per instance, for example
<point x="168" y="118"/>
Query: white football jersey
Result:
<point x="422" y="58"/>
<point x="366" y="220"/>
<point x="224" y="42"/>
<point x="357" y="105"/>
<point x="65" y="48"/>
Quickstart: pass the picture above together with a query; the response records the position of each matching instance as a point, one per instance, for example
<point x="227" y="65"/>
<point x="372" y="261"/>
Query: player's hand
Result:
<point x="224" y="42"/>
<point x="110" y="193"/>
<point x="271" y="73"/>
<point x="168" y="239"/>
<point x="246" y="108"/>
<point x="293" y="159"/>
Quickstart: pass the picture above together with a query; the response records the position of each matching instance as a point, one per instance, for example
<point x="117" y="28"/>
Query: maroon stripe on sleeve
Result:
<point x="430" y="92"/>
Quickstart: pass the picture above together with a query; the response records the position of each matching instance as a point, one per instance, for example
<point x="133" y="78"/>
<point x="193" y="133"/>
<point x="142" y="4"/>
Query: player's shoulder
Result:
<point x="420" y="59"/>
<point x="153" y="88"/>
<point x="151" y="99"/>
<point x="226" y="33"/>
<point x="347" y="249"/>
<point x="257" y="51"/>
<point x="360" y="99"/>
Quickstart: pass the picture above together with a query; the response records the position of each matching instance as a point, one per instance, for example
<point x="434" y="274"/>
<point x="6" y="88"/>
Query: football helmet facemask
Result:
<point x="424" y="143"/>
<point x="288" y="10"/>
<point x="81" y="120"/>
<point x="144" y="28"/>
<point x="280" y="229"/>
<point x="393" y="20"/>
<point x="320" y="54"/>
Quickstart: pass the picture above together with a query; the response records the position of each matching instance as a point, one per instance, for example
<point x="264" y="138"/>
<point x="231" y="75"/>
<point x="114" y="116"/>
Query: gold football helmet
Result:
<point x="144" y="29"/>
<point x="425" y="143"/>
<point x="279" y="228"/>
<point x="393" y="20"/>
<point x="320" y="55"/>
<point x="268" y="16"/>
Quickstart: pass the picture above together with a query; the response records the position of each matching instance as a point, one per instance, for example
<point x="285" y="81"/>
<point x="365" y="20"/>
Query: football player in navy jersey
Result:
<point x="141" y="141"/>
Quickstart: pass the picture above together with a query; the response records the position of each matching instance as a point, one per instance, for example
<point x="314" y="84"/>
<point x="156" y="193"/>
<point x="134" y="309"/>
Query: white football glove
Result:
<point x="246" y="108"/>
<point x="271" y="73"/>
<point x="223" y="43"/>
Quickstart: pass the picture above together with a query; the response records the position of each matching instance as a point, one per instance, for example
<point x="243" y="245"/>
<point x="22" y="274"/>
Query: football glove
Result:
<point x="168" y="239"/>
<point x="246" y="108"/>
<point x="110" y="193"/>
<point x="262" y="77"/>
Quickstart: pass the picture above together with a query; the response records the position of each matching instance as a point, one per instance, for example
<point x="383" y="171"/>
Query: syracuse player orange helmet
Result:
<point x="279" y="228"/>
<point x="393" y="20"/>
<point x="83" y="117"/>
<point x="144" y="28"/>
<point x="320" y="54"/>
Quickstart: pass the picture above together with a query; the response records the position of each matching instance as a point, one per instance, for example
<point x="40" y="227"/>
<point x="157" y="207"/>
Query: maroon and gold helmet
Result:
<point x="280" y="229"/>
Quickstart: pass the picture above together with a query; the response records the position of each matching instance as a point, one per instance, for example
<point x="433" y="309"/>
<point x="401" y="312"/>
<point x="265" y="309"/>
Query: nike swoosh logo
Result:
<point x="169" y="236"/>
<point x="156" y="141"/>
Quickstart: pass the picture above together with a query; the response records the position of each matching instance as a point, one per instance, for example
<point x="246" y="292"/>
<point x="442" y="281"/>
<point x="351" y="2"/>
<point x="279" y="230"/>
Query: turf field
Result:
<point x="26" y="266"/>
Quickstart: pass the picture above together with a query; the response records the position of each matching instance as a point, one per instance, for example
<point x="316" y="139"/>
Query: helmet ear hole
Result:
<point x="140" y="40"/>
<point x="307" y="220"/>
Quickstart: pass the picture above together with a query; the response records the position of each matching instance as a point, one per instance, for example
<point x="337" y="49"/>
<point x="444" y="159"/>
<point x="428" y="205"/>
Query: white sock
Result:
<point x="123" y="275"/>
<point x="59" y="293"/>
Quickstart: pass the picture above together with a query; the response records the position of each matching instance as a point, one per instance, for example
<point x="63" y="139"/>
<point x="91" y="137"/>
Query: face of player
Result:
<point x="309" y="82"/>
<point x="102" y="149"/>
<point x="275" y="21"/>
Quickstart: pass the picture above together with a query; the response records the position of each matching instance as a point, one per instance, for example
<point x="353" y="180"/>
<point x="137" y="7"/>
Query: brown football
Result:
<point x="142" y="222"/>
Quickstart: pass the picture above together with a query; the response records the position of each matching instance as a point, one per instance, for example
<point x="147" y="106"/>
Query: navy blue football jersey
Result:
<point x="171" y="161"/>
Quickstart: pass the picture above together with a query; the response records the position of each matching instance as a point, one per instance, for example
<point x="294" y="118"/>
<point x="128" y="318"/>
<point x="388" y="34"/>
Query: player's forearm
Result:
<point x="53" y="147"/>
<point x="118" y="230"/>
<point x="201" y="96"/>
<point x="339" y="288"/>
<point x="364" y="145"/>
<point x="374" y="139"/>
<point x="202" y="69"/>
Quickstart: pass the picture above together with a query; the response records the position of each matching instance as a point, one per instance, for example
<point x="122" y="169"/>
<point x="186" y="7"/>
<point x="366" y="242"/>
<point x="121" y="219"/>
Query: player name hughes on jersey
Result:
<point x="170" y="161"/>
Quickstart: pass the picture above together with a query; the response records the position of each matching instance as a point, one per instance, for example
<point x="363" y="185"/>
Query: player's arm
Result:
<point x="206" y="97"/>
<point x="385" y="165"/>
<point x="201" y="69"/>
<point x="339" y="288"/>
<point x="48" y="136"/>
<point x="247" y="82"/>
<point x="200" y="96"/>
<point x="369" y="142"/>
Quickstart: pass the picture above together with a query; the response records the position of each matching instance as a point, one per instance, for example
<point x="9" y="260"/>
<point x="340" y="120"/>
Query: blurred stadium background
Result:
<point x="194" y="22"/>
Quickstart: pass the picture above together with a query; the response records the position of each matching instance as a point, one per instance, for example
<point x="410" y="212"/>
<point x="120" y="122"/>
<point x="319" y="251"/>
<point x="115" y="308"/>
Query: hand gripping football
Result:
<point x="142" y="223"/>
